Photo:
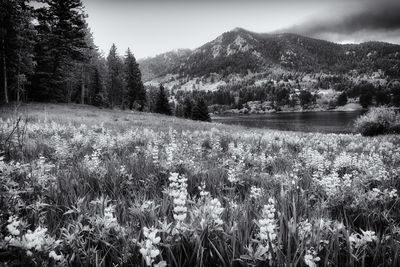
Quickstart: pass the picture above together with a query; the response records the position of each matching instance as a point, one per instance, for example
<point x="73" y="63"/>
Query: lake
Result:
<point x="318" y="121"/>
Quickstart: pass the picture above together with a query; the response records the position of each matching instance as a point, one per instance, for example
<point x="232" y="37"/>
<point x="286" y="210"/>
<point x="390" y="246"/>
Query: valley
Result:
<point x="245" y="72"/>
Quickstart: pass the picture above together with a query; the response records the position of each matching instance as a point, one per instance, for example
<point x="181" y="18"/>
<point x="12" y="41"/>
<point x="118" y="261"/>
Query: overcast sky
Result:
<point x="151" y="27"/>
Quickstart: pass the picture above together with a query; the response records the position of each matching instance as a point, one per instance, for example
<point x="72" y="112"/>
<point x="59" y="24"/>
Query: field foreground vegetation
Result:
<point x="84" y="186"/>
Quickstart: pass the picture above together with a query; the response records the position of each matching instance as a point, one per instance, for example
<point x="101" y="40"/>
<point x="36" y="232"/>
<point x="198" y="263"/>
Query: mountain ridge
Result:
<point x="241" y="51"/>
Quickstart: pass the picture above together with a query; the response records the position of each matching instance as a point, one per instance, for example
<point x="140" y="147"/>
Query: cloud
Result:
<point x="374" y="21"/>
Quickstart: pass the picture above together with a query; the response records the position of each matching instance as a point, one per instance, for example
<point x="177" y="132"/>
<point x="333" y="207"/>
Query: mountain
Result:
<point x="162" y="64"/>
<point x="240" y="51"/>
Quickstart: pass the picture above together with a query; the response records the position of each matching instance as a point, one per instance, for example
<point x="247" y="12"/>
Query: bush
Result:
<point x="305" y="98"/>
<point x="342" y="99"/>
<point x="378" y="121"/>
<point x="200" y="111"/>
<point x="366" y="99"/>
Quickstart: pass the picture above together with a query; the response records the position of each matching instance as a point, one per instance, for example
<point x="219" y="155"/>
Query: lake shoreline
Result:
<point x="227" y="114"/>
<point x="327" y="121"/>
<point x="351" y="107"/>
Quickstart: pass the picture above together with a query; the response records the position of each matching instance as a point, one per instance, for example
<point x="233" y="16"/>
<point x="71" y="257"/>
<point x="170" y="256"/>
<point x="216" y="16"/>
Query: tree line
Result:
<point x="48" y="55"/>
<point x="235" y="96"/>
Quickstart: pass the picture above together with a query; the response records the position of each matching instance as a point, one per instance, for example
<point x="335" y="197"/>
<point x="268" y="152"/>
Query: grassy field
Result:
<point x="81" y="186"/>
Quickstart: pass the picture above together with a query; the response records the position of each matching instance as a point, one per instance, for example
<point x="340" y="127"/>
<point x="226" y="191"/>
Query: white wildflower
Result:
<point x="268" y="226"/>
<point x="311" y="258"/>
<point x="13" y="225"/>
<point x="148" y="246"/>
<point x="55" y="256"/>
<point x="256" y="192"/>
<point x="178" y="191"/>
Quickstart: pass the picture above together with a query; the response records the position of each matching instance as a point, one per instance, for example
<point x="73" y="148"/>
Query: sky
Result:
<point x="151" y="27"/>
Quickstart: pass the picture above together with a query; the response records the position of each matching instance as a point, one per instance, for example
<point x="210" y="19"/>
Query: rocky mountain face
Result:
<point x="240" y="52"/>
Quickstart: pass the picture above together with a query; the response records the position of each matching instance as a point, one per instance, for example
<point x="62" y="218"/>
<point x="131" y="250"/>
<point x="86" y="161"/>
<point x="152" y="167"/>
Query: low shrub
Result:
<point x="378" y="121"/>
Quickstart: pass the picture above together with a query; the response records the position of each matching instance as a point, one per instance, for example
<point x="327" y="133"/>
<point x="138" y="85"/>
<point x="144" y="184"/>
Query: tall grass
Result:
<point x="156" y="191"/>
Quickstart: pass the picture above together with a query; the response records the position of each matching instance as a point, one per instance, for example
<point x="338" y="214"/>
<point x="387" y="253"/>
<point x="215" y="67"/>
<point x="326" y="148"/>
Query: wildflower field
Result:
<point x="82" y="186"/>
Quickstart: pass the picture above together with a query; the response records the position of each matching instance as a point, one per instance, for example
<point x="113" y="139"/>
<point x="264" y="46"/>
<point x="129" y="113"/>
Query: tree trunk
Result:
<point x="19" y="75"/>
<point x="83" y="87"/>
<point x="69" y="91"/>
<point x="18" y="86"/>
<point x="24" y="94"/>
<point x="5" y="72"/>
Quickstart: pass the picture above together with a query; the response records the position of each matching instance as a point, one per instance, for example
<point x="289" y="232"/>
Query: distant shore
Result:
<point x="346" y="108"/>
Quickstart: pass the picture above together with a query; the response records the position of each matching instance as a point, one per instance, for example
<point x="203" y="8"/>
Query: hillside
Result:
<point x="241" y="51"/>
<point x="247" y="72"/>
<point x="163" y="63"/>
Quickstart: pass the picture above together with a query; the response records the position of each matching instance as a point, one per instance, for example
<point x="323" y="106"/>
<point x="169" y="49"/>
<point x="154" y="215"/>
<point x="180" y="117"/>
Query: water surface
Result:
<point x="318" y="121"/>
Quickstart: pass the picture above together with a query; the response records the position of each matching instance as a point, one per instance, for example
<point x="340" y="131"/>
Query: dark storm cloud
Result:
<point x="376" y="17"/>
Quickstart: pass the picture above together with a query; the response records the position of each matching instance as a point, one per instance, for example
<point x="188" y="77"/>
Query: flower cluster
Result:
<point x="178" y="192"/>
<point x="202" y="190"/>
<point x="148" y="247"/>
<point x="13" y="225"/>
<point x="109" y="221"/>
<point x="361" y="240"/>
<point x="170" y="150"/>
<point x="256" y="192"/>
<point x="36" y="241"/>
<point x="378" y="195"/>
<point x="155" y="151"/>
<point x="232" y="176"/>
<point x="268" y="226"/>
<point x="61" y="147"/>
<point x="93" y="163"/>
<point x="41" y="172"/>
<point x="209" y="213"/>
<point x="236" y="162"/>
<point x="311" y="258"/>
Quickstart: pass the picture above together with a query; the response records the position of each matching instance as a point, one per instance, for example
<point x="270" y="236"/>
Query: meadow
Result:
<point x="81" y="186"/>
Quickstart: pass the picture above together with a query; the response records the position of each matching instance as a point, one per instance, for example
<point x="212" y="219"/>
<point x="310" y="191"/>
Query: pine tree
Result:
<point x="134" y="86"/>
<point x="200" y="111"/>
<point x="62" y="45"/>
<point x="342" y="99"/>
<point x="115" y="78"/>
<point x="97" y="98"/>
<point x="162" y="105"/>
<point x="16" y="47"/>
<point x="88" y="65"/>
<point x="187" y="108"/>
<point x="178" y="112"/>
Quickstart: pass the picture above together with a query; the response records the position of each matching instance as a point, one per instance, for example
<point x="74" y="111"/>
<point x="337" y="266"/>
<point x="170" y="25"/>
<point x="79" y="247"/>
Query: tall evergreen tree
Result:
<point x="97" y="93"/>
<point x="178" y="111"/>
<point x="115" y="78"/>
<point x="16" y="47"/>
<point x="87" y="66"/>
<point x="162" y="105"/>
<point x="187" y="108"/>
<point x="134" y="85"/>
<point x="200" y="111"/>
<point x="62" y="43"/>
